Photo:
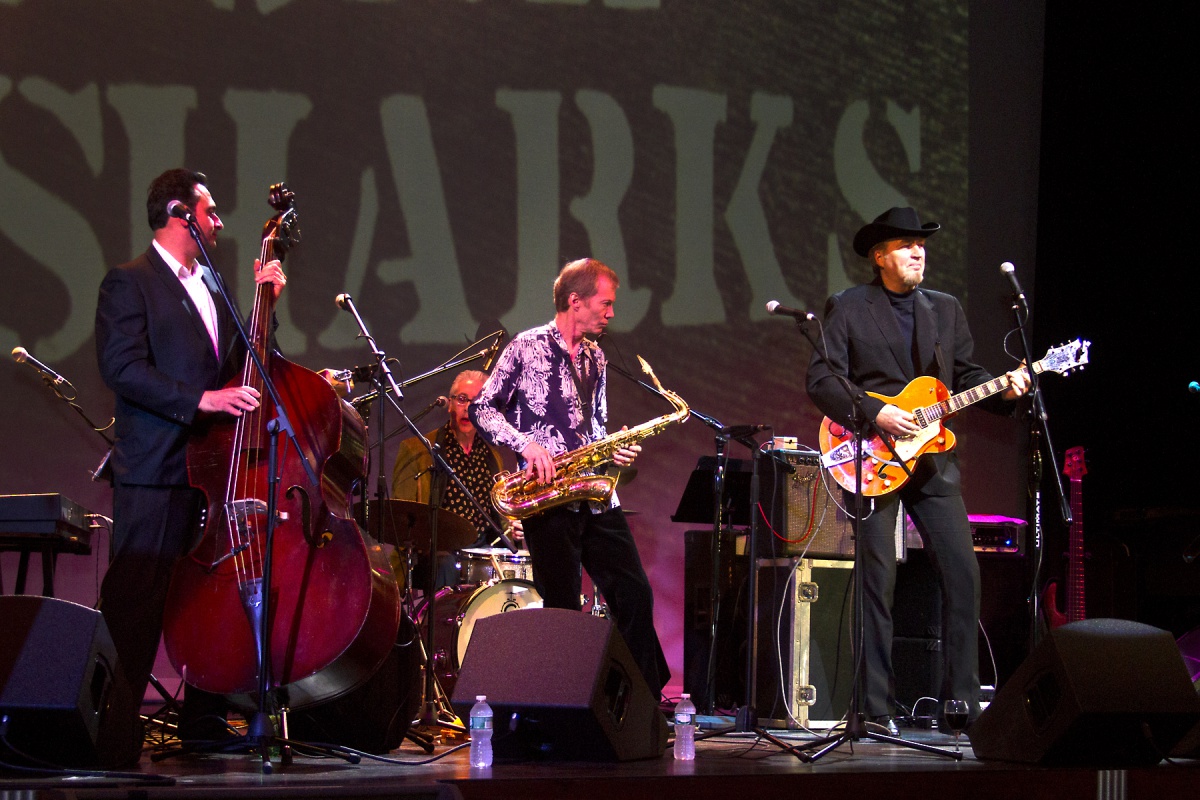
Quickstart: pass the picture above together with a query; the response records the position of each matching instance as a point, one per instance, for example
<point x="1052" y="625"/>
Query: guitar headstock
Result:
<point x="282" y="231"/>
<point x="1074" y="466"/>
<point x="1066" y="357"/>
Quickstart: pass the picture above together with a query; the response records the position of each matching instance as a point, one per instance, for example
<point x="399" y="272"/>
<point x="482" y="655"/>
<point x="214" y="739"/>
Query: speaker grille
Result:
<point x="816" y="526"/>
<point x="562" y="685"/>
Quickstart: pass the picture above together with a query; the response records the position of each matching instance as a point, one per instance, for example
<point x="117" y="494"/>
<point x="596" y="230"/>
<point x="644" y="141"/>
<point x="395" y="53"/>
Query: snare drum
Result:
<point x="455" y="612"/>
<point x="478" y="565"/>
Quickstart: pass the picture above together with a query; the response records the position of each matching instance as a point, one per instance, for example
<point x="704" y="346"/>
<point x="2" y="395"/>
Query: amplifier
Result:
<point x="990" y="533"/>
<point x="995" y="534"/>
<point x="816" y="525"/>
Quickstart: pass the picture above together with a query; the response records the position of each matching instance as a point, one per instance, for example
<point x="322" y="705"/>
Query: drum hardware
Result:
<point x="478" y="566"/>
<point x="405" y="525"/>
<point x="458" y="609"/>
<point x="599" y="608"/>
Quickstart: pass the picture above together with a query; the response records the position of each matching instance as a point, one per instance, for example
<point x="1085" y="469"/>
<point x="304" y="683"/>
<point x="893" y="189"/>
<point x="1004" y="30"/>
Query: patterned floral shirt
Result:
<point x="532" y="396"/>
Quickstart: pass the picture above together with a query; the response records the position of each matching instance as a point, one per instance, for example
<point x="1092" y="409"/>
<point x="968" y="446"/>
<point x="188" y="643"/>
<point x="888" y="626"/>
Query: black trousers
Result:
<point x="153" y="527"/>
<point x="561" y="539"/>
<point x="946" y="532"/>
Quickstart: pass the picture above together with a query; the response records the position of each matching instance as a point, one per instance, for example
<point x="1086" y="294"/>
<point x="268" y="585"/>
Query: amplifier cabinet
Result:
<point x="813" y="516"/>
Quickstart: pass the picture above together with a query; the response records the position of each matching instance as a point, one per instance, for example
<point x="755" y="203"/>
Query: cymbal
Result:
<point x="407" y="523"/>
<point x="625" y="475"/>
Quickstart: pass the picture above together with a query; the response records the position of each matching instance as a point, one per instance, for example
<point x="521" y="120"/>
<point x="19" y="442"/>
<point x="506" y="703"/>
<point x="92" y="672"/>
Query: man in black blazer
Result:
<point x="166" y="346"/>
<point x="880" y="336"/>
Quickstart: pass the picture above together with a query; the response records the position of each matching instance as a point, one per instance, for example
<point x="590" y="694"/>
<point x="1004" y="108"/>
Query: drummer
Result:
<point x="473" y="460"/>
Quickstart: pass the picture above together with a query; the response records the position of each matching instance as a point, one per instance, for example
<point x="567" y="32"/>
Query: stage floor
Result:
<point x="731" y="766"/>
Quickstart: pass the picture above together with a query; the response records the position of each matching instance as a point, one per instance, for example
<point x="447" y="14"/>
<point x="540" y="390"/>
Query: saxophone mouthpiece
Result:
<point x="646" y="369"/>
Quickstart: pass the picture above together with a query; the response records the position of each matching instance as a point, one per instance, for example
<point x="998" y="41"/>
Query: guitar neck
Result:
<point x="957" y="402"/>
<point x="1075" y="556"/>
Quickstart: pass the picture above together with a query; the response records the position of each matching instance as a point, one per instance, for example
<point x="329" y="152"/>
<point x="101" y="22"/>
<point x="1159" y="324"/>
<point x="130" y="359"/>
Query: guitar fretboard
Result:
<point x="955" y="403"/>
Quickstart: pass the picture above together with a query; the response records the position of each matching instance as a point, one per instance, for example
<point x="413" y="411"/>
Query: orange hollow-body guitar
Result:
<point x="1074" y="468"/>
<point x="930" y="402"/>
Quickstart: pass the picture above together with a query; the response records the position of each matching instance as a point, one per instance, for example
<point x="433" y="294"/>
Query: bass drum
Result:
<point x="455" y="612"/>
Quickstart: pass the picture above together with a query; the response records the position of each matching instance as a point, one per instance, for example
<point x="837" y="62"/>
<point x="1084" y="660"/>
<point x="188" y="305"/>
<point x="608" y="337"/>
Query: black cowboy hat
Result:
<point x="895" y="223"/>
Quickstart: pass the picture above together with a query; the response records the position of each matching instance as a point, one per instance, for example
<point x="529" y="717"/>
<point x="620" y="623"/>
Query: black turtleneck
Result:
<point x="904" y="307"/>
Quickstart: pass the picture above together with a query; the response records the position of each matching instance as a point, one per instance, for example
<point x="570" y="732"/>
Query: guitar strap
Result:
<point x="583" y="387"/>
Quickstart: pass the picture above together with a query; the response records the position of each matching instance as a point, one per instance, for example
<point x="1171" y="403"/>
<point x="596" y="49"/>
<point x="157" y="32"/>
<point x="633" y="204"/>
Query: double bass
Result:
<point x="332" y="605"/>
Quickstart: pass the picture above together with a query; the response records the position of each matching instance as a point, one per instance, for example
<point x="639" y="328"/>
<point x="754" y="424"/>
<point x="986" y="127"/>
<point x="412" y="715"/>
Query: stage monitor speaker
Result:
<point x="61" y="689"/>
<point x="1101" y="692"/>
<point x="562" y="685"/>
<point x="375" y="716"/>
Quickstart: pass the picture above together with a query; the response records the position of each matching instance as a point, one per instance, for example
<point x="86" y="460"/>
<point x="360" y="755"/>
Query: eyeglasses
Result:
<point x="461" y="399"/>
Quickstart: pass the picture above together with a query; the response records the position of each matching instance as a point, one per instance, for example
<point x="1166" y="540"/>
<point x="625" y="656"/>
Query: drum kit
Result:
<point x="491" y="580"/>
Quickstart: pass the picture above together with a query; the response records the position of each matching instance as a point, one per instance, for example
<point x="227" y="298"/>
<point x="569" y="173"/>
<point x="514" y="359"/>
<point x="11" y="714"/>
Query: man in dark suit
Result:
<point x="880" y="336"/>
<point x="166" y="346"/>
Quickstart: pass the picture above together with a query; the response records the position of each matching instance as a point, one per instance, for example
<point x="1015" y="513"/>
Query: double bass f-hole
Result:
<point x="306" y="524"/>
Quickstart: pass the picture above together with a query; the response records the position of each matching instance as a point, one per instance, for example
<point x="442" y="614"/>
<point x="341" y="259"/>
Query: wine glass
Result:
<point x="956" y="715"/>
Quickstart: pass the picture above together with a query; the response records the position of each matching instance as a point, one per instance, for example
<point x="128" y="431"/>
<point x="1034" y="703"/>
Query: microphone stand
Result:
<point x="442" y="470"/>
<point x="856" y="725"/>
<point x="103" y="471"/>
<point x="746" y="718"/>
<point x="1039" y="427"/>
<point x="449" y="365"/>
<point x="261" y="734"/>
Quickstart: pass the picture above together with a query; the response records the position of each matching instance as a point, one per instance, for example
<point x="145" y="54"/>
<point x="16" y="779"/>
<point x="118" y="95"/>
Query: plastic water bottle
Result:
<point x="481" y="732"/>
<point x="685" y="732"/>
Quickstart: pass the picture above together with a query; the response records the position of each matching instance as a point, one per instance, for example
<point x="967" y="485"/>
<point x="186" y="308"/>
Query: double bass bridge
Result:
<point x="239" y="514"/>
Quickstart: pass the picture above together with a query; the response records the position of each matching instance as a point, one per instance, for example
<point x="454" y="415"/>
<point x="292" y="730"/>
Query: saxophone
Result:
<point x="517" y="497"/>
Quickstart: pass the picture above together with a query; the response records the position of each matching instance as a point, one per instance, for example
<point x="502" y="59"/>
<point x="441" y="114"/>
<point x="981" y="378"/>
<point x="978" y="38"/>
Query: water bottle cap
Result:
<point x="481" y="697"/>
<point x="685" y="696"/>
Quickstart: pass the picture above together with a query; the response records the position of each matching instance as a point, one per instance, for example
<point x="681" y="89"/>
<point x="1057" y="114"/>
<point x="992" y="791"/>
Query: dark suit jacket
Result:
<point x="156" y="355"/>
<point x="865" y="345"/>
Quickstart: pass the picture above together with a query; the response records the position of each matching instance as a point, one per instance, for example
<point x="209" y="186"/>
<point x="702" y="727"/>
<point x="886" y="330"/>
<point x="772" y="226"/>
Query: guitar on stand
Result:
<point x="930" y="402"/>
<point x="1074" y="468"/>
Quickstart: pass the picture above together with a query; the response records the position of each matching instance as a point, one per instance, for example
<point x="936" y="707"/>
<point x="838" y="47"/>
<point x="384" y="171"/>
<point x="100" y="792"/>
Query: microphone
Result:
<point x="22" y="356"/>
<point x="442" y="401"/>
<point x="773" y="307"/>
<point x="344" y="301"/>
<point x="1193" y="387"/>
<point x="1008" y="269"/>
<point x="736" y="431"/>
<point x="492" y="352"/>
<point x="178" y="210"/>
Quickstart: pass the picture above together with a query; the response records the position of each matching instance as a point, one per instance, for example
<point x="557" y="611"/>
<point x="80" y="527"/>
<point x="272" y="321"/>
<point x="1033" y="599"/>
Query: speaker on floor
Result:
<point x="1100" y="692"/>
<point x="562" y="686"/>
<point x="374" y="716"/>
<point x="61" y="689"/>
